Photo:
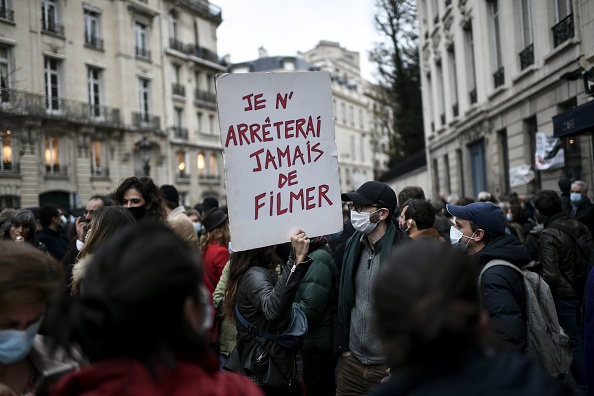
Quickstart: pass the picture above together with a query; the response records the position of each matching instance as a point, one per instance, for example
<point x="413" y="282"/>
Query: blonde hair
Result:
<point x="220" y="234"/>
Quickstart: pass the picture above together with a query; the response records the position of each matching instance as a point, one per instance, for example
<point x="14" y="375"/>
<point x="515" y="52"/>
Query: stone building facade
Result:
<point x="494" y="73"/>
<point x="95" y="91"/>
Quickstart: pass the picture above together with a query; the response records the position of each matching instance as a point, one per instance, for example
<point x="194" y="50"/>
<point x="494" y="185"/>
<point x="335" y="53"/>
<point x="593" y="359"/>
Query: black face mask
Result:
<point x="138" y="212"/>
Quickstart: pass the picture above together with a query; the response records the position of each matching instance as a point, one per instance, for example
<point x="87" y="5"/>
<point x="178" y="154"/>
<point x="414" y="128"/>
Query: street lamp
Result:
<point x="145" y="148"/>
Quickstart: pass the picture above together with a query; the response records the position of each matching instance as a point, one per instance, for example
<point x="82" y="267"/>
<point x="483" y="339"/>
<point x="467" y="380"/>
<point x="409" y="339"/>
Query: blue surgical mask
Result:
<point x="509" y="217"/>
<point x="575" y="197"/>
<point x="455" y="236"/>
<point x="197" y="227"/>
<point x="361" y="222"/>
<point x="16" y="344"/>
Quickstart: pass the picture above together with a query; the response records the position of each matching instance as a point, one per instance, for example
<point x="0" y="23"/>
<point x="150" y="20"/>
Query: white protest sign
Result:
<point x="281" y="164"/>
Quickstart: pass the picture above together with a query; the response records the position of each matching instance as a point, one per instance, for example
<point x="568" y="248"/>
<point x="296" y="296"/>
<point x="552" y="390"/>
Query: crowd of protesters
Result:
<point x="137" y="294"/>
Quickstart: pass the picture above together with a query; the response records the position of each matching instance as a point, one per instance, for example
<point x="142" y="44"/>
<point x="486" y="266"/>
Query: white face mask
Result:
<point x="509" y="217"/>
<point x="456" y="235"/>
<point x="361" y="221"/>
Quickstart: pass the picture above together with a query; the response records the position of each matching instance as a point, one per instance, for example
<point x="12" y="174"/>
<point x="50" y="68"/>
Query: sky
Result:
<point x="285" y="27"/>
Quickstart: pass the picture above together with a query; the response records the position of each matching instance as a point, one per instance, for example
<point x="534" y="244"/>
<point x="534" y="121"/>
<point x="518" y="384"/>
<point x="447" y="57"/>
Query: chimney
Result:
<point x="262" y="53"/>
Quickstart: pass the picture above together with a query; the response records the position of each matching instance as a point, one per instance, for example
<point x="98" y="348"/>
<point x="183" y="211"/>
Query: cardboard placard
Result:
<point x="281" y="163"/>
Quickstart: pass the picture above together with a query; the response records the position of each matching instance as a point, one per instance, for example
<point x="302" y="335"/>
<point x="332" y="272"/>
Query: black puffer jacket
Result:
<point x="265" y="300"/>
<point x="502" y="289"/>
<point x="557" y="253"/>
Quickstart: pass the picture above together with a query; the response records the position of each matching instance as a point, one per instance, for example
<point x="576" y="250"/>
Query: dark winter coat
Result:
<point x="589" y="335"/>
<point x="55" y="242"/>
<point x="264" y="300"/>
<point x="558" y="254"/>
<point x="317" y="297"/>
<point x="502" y="374"/>
<point x="502" y="289"/>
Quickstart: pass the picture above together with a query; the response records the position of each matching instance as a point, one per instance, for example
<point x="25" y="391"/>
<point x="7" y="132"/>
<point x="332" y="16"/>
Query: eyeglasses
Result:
<point x="358" y="208"/>
<point x="89" y="212"/>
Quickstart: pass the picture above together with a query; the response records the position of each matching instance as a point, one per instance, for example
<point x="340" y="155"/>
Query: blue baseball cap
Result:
<point x="486" y="215"/>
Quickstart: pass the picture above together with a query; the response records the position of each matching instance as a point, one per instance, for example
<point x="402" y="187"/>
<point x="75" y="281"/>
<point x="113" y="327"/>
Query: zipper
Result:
<point x="370" y="259"/>
<point x="261" y="357"/>
<point x="292" y="271"/>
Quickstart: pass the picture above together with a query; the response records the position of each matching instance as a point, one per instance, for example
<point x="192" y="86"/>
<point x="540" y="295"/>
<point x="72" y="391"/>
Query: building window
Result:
<point x="178" y="122"/>
<point x="448" y="181"/>
<point x="199" y="121"/>
<point x="5" y="11"/>
<point x="49" y="17"/>
<point x="92" y="32"/>
<point x="352" y="115"/>
<point x="460" y="172"/>
<point x="430" y="102"/>
<point x="213" y="168"/>
<point x="563" y="29"/>
<point x="143" y="98"/>
<point x="178" y="88"/>
<point x="353" y="149"/>
<point x="6" y="152"/>
<point x="142" y="44"/>
<point x="343" y="111"/>
<point x="211" y="124"/>
<point x="440" y="95"/>
<point x="52" y="155"/>
<point x="99" y="159"/>
<point x="210" y="86"/>
<point x="201" y="163"/>
<point x="453" y="80"/>
<point x="470" y="63"/>
<point x="498" y="75"/>
<point x="361" y="124"/>
<point x="435" y="177"/>
<point x="362" y="147"/>
<point x="52" y="84"/>
<point x="95" y="91"/>
<point x="181" y="164"/>
<point x="504" y="159"/>
<point x="173" y="31"/>
<point x="4" y="74"/>
<point x="527" y="53"/>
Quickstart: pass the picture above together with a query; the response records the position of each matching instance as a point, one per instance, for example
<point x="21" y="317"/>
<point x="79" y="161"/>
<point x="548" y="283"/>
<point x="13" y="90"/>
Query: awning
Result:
<point x="574" y="121"/>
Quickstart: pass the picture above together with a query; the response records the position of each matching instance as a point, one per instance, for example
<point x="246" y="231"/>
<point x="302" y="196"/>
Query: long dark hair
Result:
<point x="106" y="222"/>
<point x="150" y="192"/>
<point x="264" y="257"/>
<point x="426" y="306"/>
<point x="133" y="303"/>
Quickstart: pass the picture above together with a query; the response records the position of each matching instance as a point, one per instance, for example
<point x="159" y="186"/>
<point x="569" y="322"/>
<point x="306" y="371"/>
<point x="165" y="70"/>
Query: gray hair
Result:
<point x="22" y="217"/>
<point x="583" y="186"/>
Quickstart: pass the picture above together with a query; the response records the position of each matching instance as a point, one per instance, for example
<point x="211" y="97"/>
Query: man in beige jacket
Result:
<point x="177" y="219"/>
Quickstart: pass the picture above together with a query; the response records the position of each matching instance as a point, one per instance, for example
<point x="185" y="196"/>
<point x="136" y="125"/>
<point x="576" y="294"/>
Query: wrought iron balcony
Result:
<point x="52" y="27"/>
<point x="455" y="110"/>
<point x="29" y="104"/>
<point x="176" y="45"/>
<point x="201" y="53"/>
<point x="563" y="30"/>
<point x="473" y="96"/>
<point x="180" y="133"/>
<point x="178" y="89"/>
<point x="9" y="168"/>
<point x="499" y="77"/>
<point x="527" y="57"/>
<point x="145" y="120"/>
<point x="205" y="96"/>
<point x="6" y="13"/>
<point x="94" y="41"/>
<point x="56" y="170"/>
<point x="143" y="52"/>
<point x="209" y="179"/>
<point x="99" y="171"/>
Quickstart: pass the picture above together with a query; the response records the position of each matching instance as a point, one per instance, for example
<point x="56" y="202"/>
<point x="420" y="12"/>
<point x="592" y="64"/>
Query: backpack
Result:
<point x="582" y="266"/>
<point x="546" y="340"/>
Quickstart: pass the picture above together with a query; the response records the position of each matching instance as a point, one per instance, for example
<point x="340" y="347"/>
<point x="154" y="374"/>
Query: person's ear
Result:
<point x="194" y="314"/>
<point x="384" y="213"/>
<point x="479" y="235"/>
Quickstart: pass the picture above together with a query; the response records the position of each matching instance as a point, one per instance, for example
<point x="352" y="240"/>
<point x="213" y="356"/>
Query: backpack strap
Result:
<point x="494" y="263"/>
<point x="253" y="329"/>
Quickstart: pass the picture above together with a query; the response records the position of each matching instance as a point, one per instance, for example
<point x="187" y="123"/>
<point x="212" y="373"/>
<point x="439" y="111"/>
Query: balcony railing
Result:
<point x="455" y="110"/>
<point x="100" y="171"/>
<point x="209" y="179"/>
<point x="205" y="96"/>
<point x="205" y="7"/>
<point x="23" y="103"/>
<point x="178" y="89"/>
<point x="52" y="27"/>
<point x="9" y="168"/>
<point x="7" y="13"/>
<point x="145" y="120"/>
<point x="563" y="30"/>
<point x="180" y="133"/>
<point x="499" y="77"/>
<point x="527" y="57"/>
<point x="472" y="95"/>
<point x="56" y="170"/>
<point x="143" y="52"/>
<point x="176" y="45"/>
<point x="201" y="53"/>
<point x="94" y="41"/>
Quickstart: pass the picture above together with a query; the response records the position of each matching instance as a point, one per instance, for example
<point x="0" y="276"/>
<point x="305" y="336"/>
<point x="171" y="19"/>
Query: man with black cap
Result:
<point x="479" y="231"/>
<point x="363" y="363"/>
<point x="177" y="219"/>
